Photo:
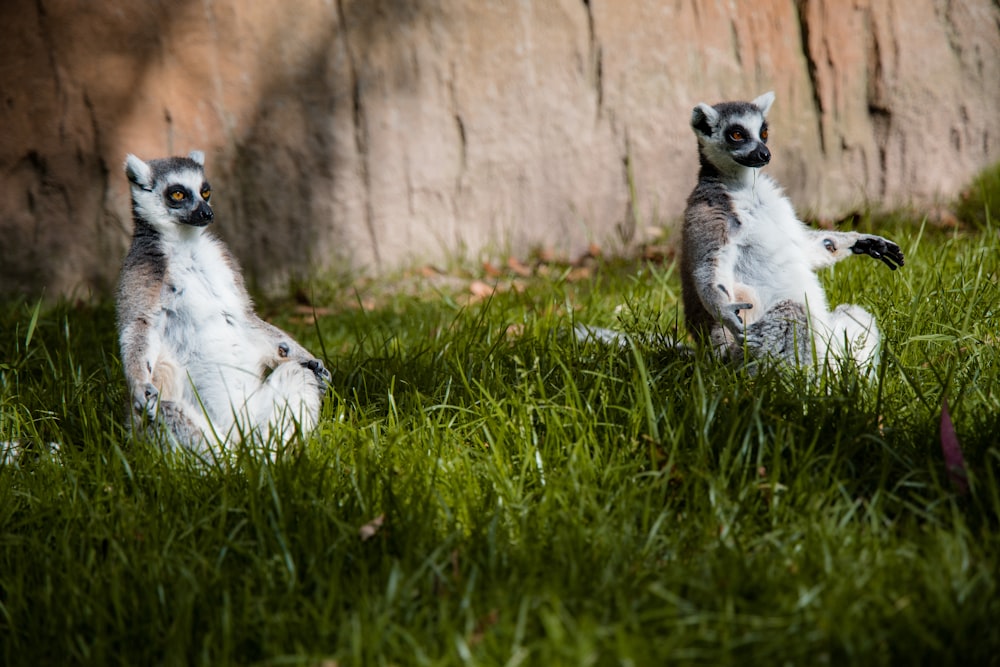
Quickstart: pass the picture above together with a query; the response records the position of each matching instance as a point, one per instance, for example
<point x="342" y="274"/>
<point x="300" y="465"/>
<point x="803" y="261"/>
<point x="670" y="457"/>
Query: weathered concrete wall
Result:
<point x="358" y="135"/>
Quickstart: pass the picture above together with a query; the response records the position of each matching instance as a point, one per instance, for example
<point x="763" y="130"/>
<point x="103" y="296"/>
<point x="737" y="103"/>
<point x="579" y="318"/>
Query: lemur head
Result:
<point x="170" y="191"/>
<point x="732" y="136"/>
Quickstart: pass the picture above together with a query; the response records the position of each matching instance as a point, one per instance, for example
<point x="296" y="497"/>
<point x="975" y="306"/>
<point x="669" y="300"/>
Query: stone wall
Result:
<point x="362" y="135"/>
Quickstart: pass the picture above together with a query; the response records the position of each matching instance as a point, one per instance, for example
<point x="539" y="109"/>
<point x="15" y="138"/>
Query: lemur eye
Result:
<point x="736" y="135"/>
<point x="177" y="195"/>
<point x="206" y="194"/>
<point x="763" y="134"/>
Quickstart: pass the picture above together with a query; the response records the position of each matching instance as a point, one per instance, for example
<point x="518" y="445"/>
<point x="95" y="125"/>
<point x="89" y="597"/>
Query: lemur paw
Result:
<point x="147" y="400"/>
<point x="731" y="317"/>
<point x="879" y="248"/>
<point x="323" y="376"/>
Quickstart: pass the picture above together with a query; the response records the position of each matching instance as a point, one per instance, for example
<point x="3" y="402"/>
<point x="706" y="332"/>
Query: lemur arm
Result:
<point x="715" y="282"/>
<point x="827" y="248"/>
<point x="140" y="342"/>
<point x="285" y="348"/>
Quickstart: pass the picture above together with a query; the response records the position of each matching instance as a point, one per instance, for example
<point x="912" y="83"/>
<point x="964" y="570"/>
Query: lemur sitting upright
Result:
<point x="197" y="359"/>
<point x="748" y="264"/>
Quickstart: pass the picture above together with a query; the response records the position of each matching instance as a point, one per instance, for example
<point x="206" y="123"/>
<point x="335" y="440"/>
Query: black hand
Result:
<point x="879" y="248"/>
<point x="320" y="371"/>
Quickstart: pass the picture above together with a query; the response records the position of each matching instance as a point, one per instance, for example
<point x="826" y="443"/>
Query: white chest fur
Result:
<point x="771" y="248"/>
<point x="204" y="324"/>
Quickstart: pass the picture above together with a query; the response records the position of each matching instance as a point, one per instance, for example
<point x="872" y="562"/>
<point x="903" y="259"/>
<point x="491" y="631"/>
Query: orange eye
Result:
<point x="763" y="134"/>
<point x="206" y="194"/>
<point x="177" y="195"/>
<point x="736" y="135"/>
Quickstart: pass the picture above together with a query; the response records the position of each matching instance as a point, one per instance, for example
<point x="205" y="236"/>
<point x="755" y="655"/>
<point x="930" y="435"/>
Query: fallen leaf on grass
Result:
<point x="481" y="290"/>
<point x="370" y="529"/>
<point x="519" y="268"/>
<point x="953" y="460"/>
<point x="579" y="273"/>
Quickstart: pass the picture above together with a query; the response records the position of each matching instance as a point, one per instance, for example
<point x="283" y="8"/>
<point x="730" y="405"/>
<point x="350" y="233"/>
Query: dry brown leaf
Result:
<point x="518" y="267"/>
<point x="492" y="270"/>
<point x="370" y="529"/>
<point x="429" y="271"/>
<point x="480" y="289"/>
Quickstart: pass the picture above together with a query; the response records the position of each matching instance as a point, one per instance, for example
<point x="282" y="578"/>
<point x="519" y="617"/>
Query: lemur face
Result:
<point x="734" y="134"/>
<point x="171" y="191"/>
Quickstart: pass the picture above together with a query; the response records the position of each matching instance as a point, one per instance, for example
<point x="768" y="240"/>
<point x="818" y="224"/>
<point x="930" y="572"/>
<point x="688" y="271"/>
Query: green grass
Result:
<point x="528" y="499"/>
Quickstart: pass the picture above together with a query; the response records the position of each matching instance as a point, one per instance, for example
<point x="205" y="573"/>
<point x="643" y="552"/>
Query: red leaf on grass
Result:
<point x="953" y="460"/>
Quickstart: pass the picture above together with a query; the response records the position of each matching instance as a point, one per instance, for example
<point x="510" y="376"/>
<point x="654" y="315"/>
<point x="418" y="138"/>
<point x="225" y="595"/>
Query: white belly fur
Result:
<point x="771" y="262"/>
<point x="209" y="346"/>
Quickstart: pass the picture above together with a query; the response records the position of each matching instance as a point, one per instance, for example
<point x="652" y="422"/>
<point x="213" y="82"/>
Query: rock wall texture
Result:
<point x="360" y="135"/>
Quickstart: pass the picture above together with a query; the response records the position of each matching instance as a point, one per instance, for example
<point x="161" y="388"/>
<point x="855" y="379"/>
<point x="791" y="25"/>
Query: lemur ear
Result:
<point x="764" y="102"/>
<point x="704" y="119"/>
<point x="138" y="172"/>
<point x="198" y="157"/>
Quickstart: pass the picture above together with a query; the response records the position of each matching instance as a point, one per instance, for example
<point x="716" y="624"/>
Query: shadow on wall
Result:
<point x="275" y="104"/>
<point x="296" y="165"/>
<point x="66" y="74"/>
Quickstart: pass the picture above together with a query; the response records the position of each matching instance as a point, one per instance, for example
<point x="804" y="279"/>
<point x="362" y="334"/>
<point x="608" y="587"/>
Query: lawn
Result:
<point x="484" y="489"/>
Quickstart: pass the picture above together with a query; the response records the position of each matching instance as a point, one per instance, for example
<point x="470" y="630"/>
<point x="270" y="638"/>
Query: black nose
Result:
<point x="204" y="212"/>
<point x="762" y="154"/>
<point x="201" y="216"/>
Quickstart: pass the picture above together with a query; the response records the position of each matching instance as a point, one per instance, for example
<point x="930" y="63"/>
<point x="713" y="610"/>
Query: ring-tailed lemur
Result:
<point x="748" y="264"/>
<point x="197" y="358"/>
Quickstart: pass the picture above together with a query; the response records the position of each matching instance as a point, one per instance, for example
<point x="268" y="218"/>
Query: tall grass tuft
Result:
<point x="486" y="489"/>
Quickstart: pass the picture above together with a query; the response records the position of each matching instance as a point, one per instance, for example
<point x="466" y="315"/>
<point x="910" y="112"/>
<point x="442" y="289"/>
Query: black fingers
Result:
<point x="879" y="248"/>
<point x="323" y="375"/>
<point x="892" y="255"/>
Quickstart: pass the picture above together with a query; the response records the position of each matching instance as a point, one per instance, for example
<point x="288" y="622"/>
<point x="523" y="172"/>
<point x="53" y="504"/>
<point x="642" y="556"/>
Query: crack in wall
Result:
<point x="596" y="58"/>
<point x="463" y="156"/>
<point x="361" y="134"/>
<point x="878" y="110"/>
<point x="463" y="139"/>
<point x="734" y="35"/>
<point x="628" y="227"/>
<point x="813" y="68"/>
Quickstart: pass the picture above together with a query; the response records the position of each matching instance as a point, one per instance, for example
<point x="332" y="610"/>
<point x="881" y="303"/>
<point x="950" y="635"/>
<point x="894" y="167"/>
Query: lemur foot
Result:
<point x="879" y="248"/>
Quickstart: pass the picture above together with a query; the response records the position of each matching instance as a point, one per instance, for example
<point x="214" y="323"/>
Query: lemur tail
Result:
<point x="11" y="451"/>
<point x="588" y="334"/>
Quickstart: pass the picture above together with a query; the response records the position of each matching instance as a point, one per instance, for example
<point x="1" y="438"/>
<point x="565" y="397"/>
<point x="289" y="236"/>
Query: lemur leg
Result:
<point x="782" y="333"/>
<point x="854" y="335"/>
<point x="289" y="399"/>
<point x="186" y="426"/>
<point x="827" y="248"/>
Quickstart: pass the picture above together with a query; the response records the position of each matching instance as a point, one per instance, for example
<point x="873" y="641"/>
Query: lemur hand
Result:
<point x="323" y="376"/>
<point x="730" y="317"/>
<point x="879" y="248"/>
<point x="145" y="399"/>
